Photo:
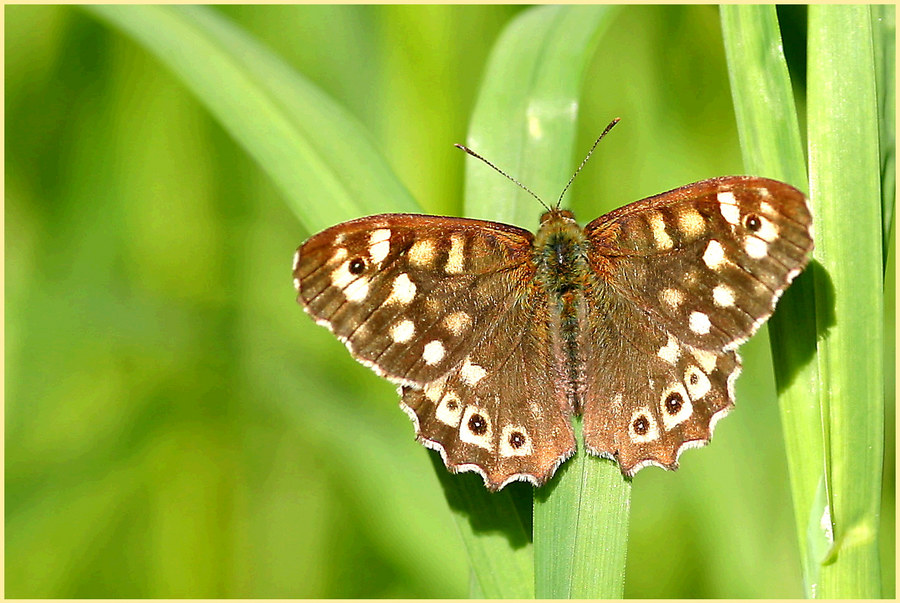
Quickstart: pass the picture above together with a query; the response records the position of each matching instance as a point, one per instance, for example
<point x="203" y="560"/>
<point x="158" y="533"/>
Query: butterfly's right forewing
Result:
<point x="410" y="295"/>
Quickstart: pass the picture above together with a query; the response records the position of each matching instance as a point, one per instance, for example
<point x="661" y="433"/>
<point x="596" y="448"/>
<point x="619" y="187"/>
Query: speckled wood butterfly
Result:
<point x="497" y="336"/>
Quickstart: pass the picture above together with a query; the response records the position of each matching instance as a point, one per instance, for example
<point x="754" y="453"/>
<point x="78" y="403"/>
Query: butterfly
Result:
<point x="497" y="336"/>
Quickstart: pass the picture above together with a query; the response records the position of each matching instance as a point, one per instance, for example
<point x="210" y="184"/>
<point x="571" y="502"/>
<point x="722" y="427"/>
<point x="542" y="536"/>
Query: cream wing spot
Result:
<point x="670" y="352"/>
<point x="723" y="296"/>
<point x="514" y="441"/>
<point x="422" y="253"/>
<point x="455" y="258"/>
<point x="471" y="373"/>
<point x="339" y="255"/>
<point x="450" y="410"/>
<point x="671" y="297"/>
<point x="457" y="322"/>
<point x="699" y="323"/>
<point x="714" y="256"/>
<point x="767" y="230"/>
<point x="341" y="277"/>
<point x="691" y="223"/>
<point x="434" y="390"/>
<point x="358" y="290"/>
<point x="697" y="382"/>
<point x="642" y="428"/>
<point x="660" y="236"/>
<point x="433" y="352"/>
<point x="379" y="245"/>
<point x="756" y="248"/>
<point x="475" y="428"/>
<point x="403" y="331"/>
<point x="402" y="291"/>
<point x="706" y="359"/>
<point x="728" y="206"/>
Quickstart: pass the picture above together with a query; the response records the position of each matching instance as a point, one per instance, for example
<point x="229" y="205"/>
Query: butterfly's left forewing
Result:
<point x="709" y="260"/>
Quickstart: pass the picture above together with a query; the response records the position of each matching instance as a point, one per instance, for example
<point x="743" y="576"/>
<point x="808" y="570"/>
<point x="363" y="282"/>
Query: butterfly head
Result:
<point x="557" y="215"/>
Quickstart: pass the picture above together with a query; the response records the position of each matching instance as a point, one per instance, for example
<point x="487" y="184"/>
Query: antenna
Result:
<point x="569" y="183"/>
<point x="520" y="185"/>
<point x="528" y="190"/>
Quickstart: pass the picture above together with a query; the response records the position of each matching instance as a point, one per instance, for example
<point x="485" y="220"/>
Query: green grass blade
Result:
<point x="845" y="176"/>
<point x="495" y="533"/>
<point x="581" y="530"/>
<point x="307" y="144"/>
<point x="884" y="31"/>
<point x="772" y="147"/>
<point x="761" y="89"/>
<point x="524" y="122"/>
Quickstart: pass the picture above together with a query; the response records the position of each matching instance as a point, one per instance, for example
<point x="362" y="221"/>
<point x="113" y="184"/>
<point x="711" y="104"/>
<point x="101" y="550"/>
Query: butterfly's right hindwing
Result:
<point x="504" y="411"/>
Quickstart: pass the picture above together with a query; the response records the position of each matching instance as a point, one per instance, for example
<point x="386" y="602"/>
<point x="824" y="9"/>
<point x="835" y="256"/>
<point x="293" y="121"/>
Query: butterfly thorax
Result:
<point x="559" y="248"/>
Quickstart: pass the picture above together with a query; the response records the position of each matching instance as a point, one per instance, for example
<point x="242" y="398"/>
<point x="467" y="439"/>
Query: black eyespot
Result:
<point x="517" y="439"/>
<point x="694" y="379"/>
<point x="451" y="404"/>
<point x="477" y="424"/>
<point x="641" y="425"/>
<point x="357" y="265"/>
<point x="673" y="403"/>
<point x="752" y="222"/>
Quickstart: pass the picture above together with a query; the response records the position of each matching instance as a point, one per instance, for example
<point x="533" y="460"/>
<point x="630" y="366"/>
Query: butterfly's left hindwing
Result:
<point x="504" y="411"/>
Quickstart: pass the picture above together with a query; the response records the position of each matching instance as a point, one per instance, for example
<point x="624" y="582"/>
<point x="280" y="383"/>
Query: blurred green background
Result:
<point x="177" y="427"/>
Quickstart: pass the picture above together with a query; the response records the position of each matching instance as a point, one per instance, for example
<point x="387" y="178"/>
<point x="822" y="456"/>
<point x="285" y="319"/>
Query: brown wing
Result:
<point x="449" y="309"/>
<point x="503" y="412"/>
<point x="410" y="295"/>
<point x="709" y="260"/>
<point x="647" y="396"/>
<point x="688" y="276"/>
